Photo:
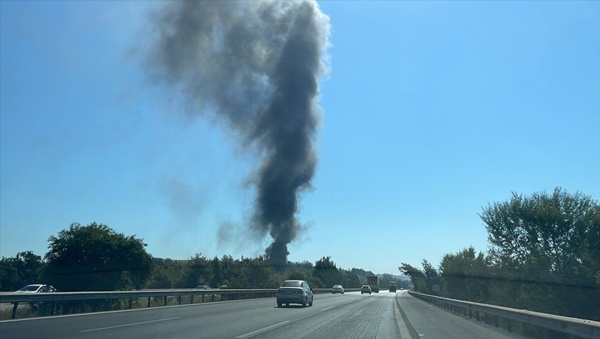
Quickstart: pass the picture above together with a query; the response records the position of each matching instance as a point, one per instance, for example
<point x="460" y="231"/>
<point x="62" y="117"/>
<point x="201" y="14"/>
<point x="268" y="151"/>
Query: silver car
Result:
<point x="37" y="288"/>
<point x="294" y="292"/>
<point x="337" y="289"/>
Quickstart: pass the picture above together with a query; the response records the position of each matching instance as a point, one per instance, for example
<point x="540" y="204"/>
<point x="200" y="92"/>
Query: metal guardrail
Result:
<point x="54" y="297"/>
<point x="573" y="326"/>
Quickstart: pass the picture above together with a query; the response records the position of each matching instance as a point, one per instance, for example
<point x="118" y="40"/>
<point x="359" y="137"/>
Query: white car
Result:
<point x="337" y="289"/>
<point x="37" y="288"/>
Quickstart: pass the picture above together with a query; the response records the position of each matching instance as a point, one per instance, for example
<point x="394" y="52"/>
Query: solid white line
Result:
<point x="125" y="325"/>
<point x="250" y="334"/>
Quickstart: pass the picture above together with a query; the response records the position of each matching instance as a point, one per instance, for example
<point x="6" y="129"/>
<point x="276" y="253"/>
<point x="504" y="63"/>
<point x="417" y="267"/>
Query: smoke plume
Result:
<point x="255" y="64"/>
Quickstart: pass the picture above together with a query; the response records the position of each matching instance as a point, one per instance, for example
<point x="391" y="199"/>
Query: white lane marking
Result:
<point x="126" y="325"/>
<point x="328" y="308"/>
<point x="253" y="333"/>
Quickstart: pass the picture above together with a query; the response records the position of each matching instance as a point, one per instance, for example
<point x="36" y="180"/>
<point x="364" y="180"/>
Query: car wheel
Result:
<point x="311" y="301"/>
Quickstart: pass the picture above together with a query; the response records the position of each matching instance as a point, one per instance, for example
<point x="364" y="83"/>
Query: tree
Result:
<point x="23" y="269"/>
<point x="466" y="275"/>
<point x="95" y="257"/>
<point x="327" y="272"/>
<point x="197" y="270"/>
<point x="417" y="277"/>
<point x="549" y="246"/>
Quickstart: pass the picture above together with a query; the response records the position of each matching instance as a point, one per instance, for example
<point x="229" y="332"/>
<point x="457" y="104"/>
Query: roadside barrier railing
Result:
<point x="510" y="318"/>
<point x="53" y="301"/>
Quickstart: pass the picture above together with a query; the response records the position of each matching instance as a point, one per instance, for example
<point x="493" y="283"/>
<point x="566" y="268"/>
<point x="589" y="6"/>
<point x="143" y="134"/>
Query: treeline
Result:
<point x="227" y="272"/>
<point x="96" y="258"/>
<point x="544" y="256"/>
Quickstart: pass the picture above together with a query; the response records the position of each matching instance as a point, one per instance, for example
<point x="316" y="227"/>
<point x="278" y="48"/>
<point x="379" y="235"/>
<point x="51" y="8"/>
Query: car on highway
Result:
<point x="294" y="292"/>
<point x="365" y="289"/>
<point x="202" y="287"/>
<point x="337" y="289"/>
<point x="36" y="288"/>
<point x="392" y="287"/>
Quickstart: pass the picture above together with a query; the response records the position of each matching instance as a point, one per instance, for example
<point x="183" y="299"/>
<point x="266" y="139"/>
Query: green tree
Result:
<point x="23" y="269"/>
<point x="466" y="275"/>
<point x="432" y="277"/>
<point x="417" y="277"/>
<point x="259" y="273"/>
<point x="546" y="247"/>
<point x="326" y="270"/>
<point x="197" y="270"/>
<point x="217" y="280"/>
<point x="95" y="257"/>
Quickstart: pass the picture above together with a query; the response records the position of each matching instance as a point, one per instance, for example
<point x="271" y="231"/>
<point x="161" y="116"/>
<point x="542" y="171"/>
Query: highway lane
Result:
<point x="429" y="321"/>
<point x="351" y="315"/>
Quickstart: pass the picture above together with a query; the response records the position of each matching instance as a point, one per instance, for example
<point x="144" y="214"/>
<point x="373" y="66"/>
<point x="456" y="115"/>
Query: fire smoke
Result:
<point x="255" y="64"/>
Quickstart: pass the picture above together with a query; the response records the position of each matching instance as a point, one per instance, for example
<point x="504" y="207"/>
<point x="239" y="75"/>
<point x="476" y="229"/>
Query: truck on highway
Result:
<point x="373" y="281"/>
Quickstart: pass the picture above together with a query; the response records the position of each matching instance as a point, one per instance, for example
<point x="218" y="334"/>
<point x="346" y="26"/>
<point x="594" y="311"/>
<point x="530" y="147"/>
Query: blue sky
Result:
<point x="431" y="110"/>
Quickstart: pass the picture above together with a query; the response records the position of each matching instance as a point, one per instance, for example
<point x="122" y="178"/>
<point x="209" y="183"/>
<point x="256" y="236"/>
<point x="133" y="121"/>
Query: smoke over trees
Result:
<point x="256" y="65"/>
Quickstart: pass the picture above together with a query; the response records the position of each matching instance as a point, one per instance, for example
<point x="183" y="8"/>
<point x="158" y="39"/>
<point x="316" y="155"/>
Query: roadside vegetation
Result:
<point x="544" y="256"/>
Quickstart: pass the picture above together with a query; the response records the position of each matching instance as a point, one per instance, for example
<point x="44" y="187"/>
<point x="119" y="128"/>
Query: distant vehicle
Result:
<point x="37" y="288"/>
<point x="392" y="287"/>
<point x="373" y="281"/>
<point x="202" y="287"/>
<point x="337" y="289"/>
<point x="294" y="292"/>
<point x="365" y="289"/>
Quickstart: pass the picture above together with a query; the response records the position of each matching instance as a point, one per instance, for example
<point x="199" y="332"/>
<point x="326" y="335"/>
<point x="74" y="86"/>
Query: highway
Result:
<point x="351" y="315"/>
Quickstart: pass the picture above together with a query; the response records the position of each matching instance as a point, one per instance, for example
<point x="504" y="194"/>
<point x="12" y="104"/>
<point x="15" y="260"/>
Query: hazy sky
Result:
<point x="431" y="110"/>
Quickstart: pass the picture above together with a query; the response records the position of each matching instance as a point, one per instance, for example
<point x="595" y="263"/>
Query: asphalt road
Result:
<point x="350" y="315"/>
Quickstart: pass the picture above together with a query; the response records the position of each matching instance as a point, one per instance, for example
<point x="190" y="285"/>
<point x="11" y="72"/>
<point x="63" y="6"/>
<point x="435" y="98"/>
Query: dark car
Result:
<point x="365" y="289"/>
<point x="294" y="292"/>
<point x="392" y="288"/>
<point x="202" y="287"/>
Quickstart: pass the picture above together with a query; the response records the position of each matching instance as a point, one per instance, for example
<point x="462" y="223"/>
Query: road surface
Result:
<point x="349" y="315"/>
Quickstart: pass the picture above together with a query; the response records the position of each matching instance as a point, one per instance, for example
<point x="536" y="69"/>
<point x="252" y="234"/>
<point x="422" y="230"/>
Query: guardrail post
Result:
<point x="149" y="301"/>
<point x="203" y="298"/>
<point x="192" y="299"/>
<point x="130" y="302"/>
<point x="212" y="297"/>
<point x="14" y="310"/>
<point x="52" y="307"/>
<point x="165" y="301"/>
<point x="179" y="299"/>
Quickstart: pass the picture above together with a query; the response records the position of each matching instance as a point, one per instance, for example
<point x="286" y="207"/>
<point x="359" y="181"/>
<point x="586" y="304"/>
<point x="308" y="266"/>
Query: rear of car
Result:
<point x="365" y="289"/>
<point x="294" y="292"/>
<point x="337" y="289"/>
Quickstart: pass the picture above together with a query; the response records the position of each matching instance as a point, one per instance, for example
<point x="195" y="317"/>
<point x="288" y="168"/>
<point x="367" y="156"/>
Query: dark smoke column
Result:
<point x="256" y="64"/>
